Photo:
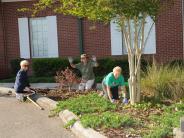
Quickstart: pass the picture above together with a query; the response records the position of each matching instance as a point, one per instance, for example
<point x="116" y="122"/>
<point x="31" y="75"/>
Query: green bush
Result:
<point x="179" y="63"/>
<point x="163" y="82"/>
<point x="15" y="65"/>
<point x="106" y="66"/>
<point x="48" y="66"/>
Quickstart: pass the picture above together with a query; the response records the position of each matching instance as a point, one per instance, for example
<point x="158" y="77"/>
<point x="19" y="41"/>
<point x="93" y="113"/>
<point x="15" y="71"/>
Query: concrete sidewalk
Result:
<point x="24" y="120"/>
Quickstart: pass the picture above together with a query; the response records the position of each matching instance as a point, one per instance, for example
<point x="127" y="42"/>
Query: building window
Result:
<point x="39" y="37"/>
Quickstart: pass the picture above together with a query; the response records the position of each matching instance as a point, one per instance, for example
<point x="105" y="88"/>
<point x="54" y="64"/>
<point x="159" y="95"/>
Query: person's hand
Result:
<point x="94" y="58"/>
<point x="70" y="59"/>
<point x="83" y="81"/>
<point x="125" y="101"/>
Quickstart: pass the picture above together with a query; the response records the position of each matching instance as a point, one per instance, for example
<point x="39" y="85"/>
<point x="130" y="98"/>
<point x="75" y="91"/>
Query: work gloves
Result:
<point x="125" y="101"/>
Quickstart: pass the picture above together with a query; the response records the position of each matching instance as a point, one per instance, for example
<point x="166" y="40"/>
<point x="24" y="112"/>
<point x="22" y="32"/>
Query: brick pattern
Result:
<point x="169" y="34"/>
<point x="97" y="39"/>
<point x="96" y="35"/>
<point x="2" y="50"/>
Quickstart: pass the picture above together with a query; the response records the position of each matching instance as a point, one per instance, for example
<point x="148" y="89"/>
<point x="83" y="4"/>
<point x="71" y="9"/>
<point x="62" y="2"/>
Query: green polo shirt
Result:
<point x="86" y="70"/>
<point x="111" y="81"/>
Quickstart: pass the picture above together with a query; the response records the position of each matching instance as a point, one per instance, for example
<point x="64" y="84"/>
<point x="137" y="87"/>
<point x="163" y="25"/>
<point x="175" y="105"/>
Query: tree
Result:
<point x="130" y="15"/>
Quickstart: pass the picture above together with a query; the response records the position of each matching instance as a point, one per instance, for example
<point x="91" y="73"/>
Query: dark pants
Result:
<point x="114" y="91"/>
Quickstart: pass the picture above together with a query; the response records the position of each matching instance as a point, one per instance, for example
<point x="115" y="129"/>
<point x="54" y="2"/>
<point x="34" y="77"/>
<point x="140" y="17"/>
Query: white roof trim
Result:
<point x="14" y="0"/>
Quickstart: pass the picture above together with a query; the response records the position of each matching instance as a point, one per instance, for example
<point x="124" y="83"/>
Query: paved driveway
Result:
<point x="24" y="120"/>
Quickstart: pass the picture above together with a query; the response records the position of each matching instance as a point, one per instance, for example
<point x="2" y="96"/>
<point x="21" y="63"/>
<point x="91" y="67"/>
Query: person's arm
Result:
<point x="95" y="63"/>
<point x="123" y="91"/>
<point x="109" y="93"/>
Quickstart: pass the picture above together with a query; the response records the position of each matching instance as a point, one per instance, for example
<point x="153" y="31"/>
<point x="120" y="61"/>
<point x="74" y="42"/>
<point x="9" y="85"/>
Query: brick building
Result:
<point x="56" y="35"/>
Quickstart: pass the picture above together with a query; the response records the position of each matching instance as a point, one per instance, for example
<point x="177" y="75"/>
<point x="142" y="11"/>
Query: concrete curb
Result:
<point x="77" y="128"/>
<point x="65" y="116"/>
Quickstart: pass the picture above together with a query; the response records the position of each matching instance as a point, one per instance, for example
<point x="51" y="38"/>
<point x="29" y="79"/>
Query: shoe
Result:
<point x="21" y="97"/>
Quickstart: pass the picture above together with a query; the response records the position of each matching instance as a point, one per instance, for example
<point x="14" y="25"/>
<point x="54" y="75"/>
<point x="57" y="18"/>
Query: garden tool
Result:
<point x="28" y="97"/>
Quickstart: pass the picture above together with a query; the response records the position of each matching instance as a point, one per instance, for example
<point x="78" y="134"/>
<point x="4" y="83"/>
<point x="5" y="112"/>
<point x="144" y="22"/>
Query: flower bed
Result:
<point x="116" y="120"/>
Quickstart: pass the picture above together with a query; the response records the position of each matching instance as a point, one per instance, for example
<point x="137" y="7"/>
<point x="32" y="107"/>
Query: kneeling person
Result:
<point x="113" y="85"/>
<point x="86" y="68"/>
<point x="21" y="82"/>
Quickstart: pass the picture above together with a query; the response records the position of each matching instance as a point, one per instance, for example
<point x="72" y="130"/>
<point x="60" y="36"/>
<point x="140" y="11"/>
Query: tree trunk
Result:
<point x="132" y="81"/>
<point x="138" y="96"/>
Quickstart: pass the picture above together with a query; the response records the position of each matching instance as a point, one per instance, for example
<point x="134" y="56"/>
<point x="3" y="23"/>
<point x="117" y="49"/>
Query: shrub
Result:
<point x="66" y="78"/>
<point x="15" y="65"/>
<point x="163" y="82"/>
<point x="48" y="66"/>
<point x="179" y="63"/>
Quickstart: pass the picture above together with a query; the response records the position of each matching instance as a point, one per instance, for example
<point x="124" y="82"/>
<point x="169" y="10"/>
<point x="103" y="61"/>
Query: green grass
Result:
<point x="32" y="79"/>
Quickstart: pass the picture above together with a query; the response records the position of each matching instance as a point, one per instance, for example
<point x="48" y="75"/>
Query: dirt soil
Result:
<point x="58" y="95"/>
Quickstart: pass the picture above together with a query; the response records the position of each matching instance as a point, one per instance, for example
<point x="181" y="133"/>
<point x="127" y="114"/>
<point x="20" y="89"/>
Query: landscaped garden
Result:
<point x="162" y="106"/>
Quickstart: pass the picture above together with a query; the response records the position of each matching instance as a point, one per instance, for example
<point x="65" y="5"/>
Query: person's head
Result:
<point x="117" y="71"/>
<point x="84" y="58"/>
<point x="24" y="64"/>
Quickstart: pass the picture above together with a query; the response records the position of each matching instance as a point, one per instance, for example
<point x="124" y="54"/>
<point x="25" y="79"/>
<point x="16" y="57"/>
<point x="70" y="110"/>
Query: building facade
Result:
<point x="55" y="35"/>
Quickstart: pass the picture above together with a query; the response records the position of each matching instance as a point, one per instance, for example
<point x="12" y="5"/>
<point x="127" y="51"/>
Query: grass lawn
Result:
<point x="32" y="79"/>
<point x="147" y="120"/>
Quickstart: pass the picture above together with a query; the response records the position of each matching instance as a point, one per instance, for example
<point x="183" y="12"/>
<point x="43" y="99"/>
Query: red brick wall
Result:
<point x="97" y="39"/>
<point x="169" y="34"/>
<point x="2" y="50"/>
<point x="67" y="30"/>
<point x="68" y="35"/>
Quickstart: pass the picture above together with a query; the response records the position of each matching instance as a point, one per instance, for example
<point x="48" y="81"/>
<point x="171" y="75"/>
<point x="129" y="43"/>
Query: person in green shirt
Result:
<point x="113" y="85"/>
<point x="86" y="68"/>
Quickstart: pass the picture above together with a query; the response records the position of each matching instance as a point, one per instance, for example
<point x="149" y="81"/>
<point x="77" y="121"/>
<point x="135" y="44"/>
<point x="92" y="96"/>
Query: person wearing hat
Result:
<point x="86" y="68"/>
<point x="22" y="82"/>
<point x="113" y="86"/>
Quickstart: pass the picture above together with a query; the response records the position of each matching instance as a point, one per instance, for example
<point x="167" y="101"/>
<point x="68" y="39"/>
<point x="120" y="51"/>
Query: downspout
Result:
<point x="4" y="37"/>
<point x="80" y="31"/>
<point x="183" y="25"/>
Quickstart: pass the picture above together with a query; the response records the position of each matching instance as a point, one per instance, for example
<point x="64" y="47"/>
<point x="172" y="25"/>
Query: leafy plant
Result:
<point x="107" y="120"/>
<point x="90" y="103"/>
<point x="66" y="78"/>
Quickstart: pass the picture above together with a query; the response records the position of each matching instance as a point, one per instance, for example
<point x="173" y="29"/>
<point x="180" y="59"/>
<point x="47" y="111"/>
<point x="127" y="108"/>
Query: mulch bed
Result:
<point x="58" y="95"/>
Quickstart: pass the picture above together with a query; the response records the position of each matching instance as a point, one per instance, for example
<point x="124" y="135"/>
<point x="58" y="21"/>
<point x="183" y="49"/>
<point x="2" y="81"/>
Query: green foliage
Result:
<point x="107" y="120"/>
<point x="164" y="123"/>
<point x="104" y="10"/>
<point x="163" y="82"/>
<point x="48" y="66"/>
<point x="86" y="104"/>
<point x="15" y="65"/>
<point x="179" y="63"/>
<point x="70" y="123"/>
